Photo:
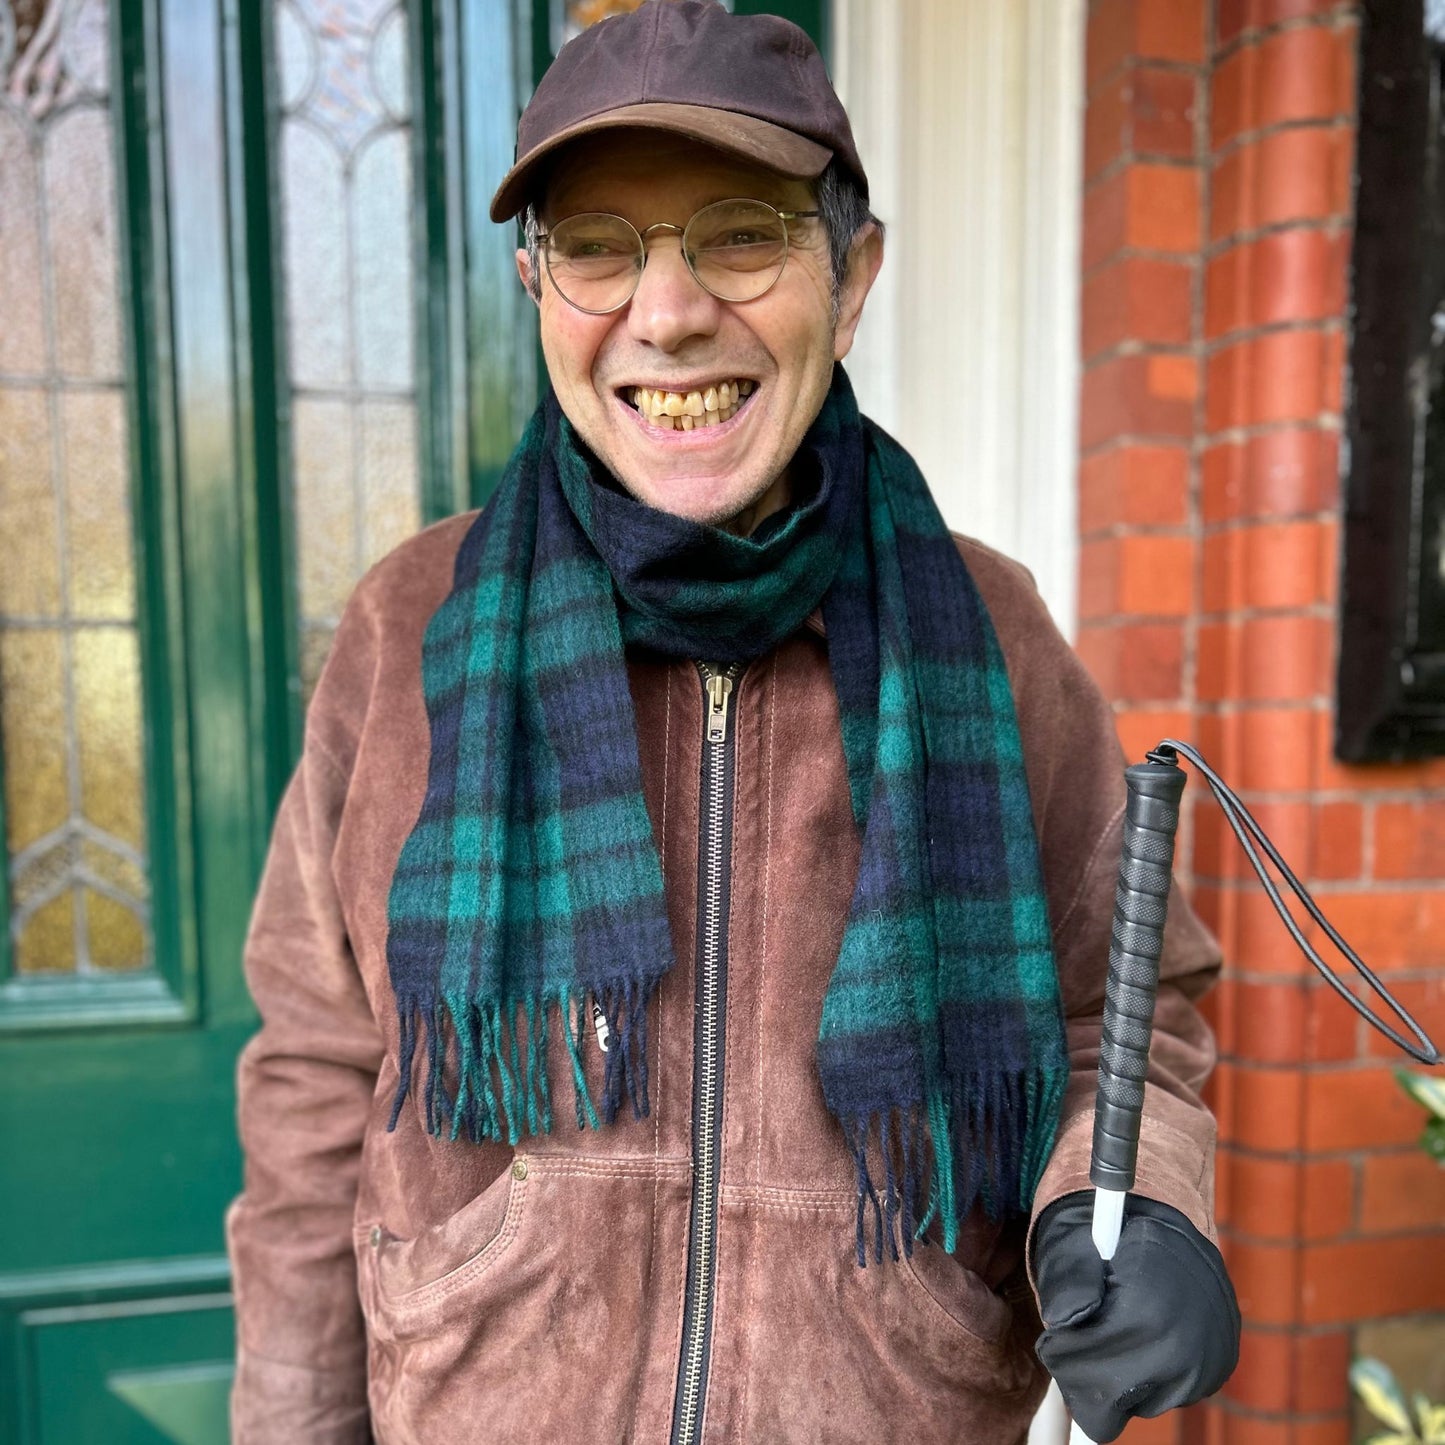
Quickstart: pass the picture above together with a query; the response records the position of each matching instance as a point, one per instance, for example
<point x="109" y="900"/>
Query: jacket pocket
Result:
<point x="831" y="1354"/>
<point x="528" y="1313"/>
<point x="405" y="1278"/>
<point x="959" y="1294"/>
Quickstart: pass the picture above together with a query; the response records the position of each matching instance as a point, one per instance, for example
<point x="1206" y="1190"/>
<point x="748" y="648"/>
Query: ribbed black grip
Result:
<point x="1141" y="902"/>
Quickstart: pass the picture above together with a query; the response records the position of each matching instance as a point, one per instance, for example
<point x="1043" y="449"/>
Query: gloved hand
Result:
<point x="1154" y="1328"/>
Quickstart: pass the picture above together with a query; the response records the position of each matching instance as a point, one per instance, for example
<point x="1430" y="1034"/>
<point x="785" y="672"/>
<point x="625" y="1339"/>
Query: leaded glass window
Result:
<point x="70" y="686"/>
<point x="346" y="201"/>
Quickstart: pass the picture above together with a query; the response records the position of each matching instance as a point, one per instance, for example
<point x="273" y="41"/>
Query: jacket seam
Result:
<point x="767" y="1193"/>
<point x="314" y="746"/>
<point x="1088" y="872"/>
<point x="799" y="1208"/>
<point x="552" y="1165"/>
<point x="245" y="1355"/>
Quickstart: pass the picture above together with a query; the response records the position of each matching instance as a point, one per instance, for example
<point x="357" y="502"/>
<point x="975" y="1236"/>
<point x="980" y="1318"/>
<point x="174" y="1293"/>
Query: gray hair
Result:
<point x="845" y="213"/>
<point x="838" y="196"/>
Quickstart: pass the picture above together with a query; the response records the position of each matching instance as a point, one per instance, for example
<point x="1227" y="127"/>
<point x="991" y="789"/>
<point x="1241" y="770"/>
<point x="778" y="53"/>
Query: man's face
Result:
<point x="674" y="336"/>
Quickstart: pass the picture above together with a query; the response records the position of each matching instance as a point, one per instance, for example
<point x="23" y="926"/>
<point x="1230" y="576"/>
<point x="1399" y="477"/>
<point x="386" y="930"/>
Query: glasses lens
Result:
<point x="594" y="260"/>
<point x="736" y="248"/>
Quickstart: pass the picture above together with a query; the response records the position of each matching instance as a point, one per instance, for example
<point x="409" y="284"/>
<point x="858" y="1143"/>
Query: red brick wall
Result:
<point x="1217" y="162"/>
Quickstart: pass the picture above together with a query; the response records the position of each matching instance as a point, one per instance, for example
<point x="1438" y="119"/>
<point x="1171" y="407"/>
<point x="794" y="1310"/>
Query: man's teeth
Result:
<point x="684" y="410"/>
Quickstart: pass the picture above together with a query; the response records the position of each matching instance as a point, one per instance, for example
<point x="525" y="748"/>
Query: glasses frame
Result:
<point x="784" y="216"/>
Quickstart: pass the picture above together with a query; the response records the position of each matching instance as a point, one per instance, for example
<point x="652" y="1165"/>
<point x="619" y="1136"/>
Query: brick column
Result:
<point x="1281" y="150"/>
<point x="1141" y="256"/>
<point x="1311" y="1119"/>
<point x="1218" y="154"/>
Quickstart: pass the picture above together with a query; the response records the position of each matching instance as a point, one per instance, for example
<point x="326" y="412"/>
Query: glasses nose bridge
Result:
<point x="681" y="233"/>
<point x="659" y="226"/>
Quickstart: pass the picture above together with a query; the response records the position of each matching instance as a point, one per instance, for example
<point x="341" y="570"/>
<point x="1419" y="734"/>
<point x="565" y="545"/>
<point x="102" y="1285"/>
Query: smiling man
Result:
<point x="682" y="948"/>
<point x="692" y="382"/>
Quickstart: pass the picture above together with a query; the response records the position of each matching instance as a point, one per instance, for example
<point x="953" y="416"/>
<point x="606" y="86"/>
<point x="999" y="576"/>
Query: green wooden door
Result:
<point x="143" y="722"/>
<point x="254" y="328"/>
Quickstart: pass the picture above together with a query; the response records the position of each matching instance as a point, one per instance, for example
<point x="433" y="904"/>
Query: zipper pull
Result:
<point x="599" y="1023"/>
<point x="719" y="686"/>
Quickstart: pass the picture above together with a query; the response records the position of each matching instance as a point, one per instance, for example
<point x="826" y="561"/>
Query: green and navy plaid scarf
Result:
<point x="531" y="883"/>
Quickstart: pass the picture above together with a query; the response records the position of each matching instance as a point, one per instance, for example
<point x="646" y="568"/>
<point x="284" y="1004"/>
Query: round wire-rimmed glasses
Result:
<point x="735" y="249"/>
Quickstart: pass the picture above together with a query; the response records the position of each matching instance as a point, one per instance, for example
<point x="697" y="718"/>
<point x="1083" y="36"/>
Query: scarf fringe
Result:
<point x="501" y="1089"/>
<point x="993" y="1158"/>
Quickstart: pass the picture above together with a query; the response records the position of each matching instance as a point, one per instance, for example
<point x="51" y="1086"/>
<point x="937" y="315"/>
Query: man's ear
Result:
<point x="865" y="256"/>
<point x="524" y="273"/>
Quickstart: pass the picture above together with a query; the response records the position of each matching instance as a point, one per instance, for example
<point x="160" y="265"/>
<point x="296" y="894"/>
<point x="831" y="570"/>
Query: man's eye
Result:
<point x="733" y="238"/>
<point x="584" y="250"/>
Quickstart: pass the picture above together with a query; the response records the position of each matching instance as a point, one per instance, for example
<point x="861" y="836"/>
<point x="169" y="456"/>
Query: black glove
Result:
<point x="1154" y="1328"/>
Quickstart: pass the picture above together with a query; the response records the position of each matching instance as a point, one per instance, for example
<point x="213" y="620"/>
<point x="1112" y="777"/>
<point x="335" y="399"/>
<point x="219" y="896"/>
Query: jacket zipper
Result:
<point x="714" y="851"/>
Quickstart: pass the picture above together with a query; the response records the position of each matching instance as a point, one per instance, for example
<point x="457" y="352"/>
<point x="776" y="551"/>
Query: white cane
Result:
<point x="1141" y="902"/>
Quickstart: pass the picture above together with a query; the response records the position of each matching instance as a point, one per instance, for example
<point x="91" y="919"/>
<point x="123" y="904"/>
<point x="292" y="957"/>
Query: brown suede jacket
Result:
<point x="395" y="1287"/>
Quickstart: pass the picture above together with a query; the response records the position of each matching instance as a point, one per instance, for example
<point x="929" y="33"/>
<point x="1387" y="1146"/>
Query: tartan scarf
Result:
<point x="530" y="883"/>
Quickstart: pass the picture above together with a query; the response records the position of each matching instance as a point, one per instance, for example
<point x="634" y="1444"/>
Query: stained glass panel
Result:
<point x="326" y="503"/>
<point x="347" y="197"/>
<point x="22" y="337"/>
<point x="97" y="506"/>
<point x="70" y="691"/>
<point x="105" y="670"/>
<point x="387" y="475"/>
<point x="33" y="723"/>
<point x="318" y="310"/>
<point x="79" y="191"/>
<point x="47" y="943"/>
<point x="30" y="578"/>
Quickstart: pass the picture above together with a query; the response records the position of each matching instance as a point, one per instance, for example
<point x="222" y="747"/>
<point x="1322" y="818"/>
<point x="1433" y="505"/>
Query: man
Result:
<point x="682" y="948"/>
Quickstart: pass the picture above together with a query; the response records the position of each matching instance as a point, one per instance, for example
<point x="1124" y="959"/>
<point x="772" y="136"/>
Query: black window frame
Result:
<point x="1390" y="697"/>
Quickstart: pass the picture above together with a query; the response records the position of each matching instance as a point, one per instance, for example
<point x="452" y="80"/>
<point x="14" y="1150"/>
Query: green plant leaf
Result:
<point x="1381" y="1396"/>
<point x="1424" y="1089"/>
<point x="1392" y="1440"/>
<point x="1432" y="1421"/>
<point x="1432" y="1141"/>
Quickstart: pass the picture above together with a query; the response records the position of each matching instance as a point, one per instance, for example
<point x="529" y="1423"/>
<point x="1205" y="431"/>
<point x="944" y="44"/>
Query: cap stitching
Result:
<point x="817" y="107"/>
<point x="649" y="50"/>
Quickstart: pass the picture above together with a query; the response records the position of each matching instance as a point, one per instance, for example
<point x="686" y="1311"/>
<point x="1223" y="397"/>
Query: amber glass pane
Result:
<point x="110" y="868"/>
<point x="97" y="506"/>
<point x="106" y="672"/>
<point x="33" y="724"/>
<point x="347" y="197"/>
<point x="45" y="942"/>
<point x="70" y="694"/>
<point x="30" y="576"/>
<point x="115" y="935"/>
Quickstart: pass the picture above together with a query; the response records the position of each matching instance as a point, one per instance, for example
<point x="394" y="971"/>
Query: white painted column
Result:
<point x="969" y="119"/>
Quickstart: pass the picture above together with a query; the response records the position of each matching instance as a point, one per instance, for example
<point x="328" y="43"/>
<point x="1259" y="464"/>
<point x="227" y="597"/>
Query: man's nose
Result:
<point x="669" y="305"/>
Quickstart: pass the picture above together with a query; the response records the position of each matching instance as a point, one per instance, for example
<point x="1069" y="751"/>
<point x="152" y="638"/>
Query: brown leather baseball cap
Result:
<point x="751" y="85"/>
